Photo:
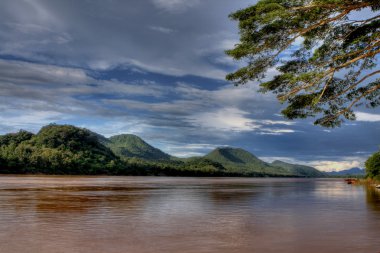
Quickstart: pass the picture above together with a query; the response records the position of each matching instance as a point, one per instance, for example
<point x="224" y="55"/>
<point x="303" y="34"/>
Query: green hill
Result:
<point x="241" y="161"/>
<point x="129" y="145"/>
<point x="56" y="149"/>
<point x="233" y="156"/>
<point x="299" y="170"/>
<point x="65" y="149"/>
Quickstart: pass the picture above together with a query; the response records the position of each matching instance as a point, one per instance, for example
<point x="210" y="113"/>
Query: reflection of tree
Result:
<point x="373" y="198"/>
<point x="238" y="193"/>
<point x="228" y="194"/>
<point x="76" y="199"/>
<point x="229" y="197"/>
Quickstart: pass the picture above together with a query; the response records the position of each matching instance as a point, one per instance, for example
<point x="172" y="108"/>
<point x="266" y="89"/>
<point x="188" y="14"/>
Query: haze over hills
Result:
<point x="298" y="169"/>
<point x="350" y="172"/>
<point x="66" y="149"/>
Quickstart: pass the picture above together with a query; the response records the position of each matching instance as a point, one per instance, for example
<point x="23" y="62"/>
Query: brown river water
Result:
<point x="45" y="214"/>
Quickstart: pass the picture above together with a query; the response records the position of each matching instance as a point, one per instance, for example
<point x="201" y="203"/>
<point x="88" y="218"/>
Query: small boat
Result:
<point x="350" y="180"/>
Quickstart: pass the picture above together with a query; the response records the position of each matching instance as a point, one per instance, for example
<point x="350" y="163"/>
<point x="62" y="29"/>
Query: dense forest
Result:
<point x="66" y="149"/>
<point x="373" y="166"/>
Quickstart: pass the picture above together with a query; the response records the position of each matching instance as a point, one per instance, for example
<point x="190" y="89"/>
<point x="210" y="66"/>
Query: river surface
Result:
<point x="41" y="214"/>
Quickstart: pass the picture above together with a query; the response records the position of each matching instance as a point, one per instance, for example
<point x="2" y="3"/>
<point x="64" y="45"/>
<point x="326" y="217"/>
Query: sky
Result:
<point x="155" y="68"/>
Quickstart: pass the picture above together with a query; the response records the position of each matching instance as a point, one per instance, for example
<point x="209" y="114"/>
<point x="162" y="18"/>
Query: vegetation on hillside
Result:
<point x="56" y="150"/>
<point x="129" y="145"/>
<point x="65" y="149"/>
<point x="239" y="160"/>
<point x="373" y="166"/>
<point x="300" y="170"/>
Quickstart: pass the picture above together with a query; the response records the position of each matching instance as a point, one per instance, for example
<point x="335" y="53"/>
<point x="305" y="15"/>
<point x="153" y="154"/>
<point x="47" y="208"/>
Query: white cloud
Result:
<point x="94" y="34"/>
<point x="343" y="163"/>
<point x="278" y="122"/>
<point x="161" y="29"/>
<point x="337" y="165"/>
<point x="30" y="73"/>
<point x="121" y="125"/>
<point x="175" y="5"/>
<point x="189" y="149"/>
<point x="224" y="119"/>
<point x="17" y="76"/>
<point x="30" y="120"/>
<point x="165" y="66"/>
<point x="268" y="131"/>
<point x="369" y="117"/>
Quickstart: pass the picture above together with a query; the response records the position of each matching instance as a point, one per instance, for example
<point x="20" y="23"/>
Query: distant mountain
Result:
<point x="129" y="145"/>
<point x="242" y="161"/>
<point x="349" y="172"/>
<point x="234" y="156"/>
<point x="299" y="170"/>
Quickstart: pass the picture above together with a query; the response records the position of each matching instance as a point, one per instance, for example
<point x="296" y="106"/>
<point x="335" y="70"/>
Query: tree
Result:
<point x="372" y="166"/>
<point x="324" y="54"/>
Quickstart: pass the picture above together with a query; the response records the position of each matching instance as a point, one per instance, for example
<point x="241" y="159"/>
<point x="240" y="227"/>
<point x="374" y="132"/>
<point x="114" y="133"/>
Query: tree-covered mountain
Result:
<point x="299" y="170"/>
<point x="66" y="149"/>
<point x="238" y="156"/>
<point x="129" y="145"/>
<point x="56" y="149"/>
<point x="242" y="161"/>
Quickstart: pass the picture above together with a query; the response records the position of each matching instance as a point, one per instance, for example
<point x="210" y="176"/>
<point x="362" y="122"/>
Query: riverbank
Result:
<point x="368" y="182"/>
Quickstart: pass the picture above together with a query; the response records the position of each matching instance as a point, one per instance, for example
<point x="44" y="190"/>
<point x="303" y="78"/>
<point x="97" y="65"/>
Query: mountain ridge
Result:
<point x="299" y="169"/>
<point x="130" y="145"/>
<point x="348" y="172"/>
<point x="238" y="159"/>
<point x="66" y="149"/>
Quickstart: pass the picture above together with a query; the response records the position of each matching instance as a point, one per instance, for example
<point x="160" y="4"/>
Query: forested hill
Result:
<point x="66" y="149"/>
<point x="298" y="169"/>
<point x="237" y="159"/>
<point x="56" y="149"/>
<point x="129" y="145"/>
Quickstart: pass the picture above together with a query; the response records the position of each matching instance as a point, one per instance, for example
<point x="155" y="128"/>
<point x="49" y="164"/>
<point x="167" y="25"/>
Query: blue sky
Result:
<point x="154" y="68"/>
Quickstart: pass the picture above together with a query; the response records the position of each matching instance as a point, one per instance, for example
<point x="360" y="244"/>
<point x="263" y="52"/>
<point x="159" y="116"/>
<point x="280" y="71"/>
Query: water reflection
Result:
<point x="70" y="199"/>
<point x="187" y="215"/>
<point x="373" y="198"/>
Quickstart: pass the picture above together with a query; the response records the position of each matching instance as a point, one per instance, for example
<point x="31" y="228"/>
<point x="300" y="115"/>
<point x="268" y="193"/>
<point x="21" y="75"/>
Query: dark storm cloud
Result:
<point x="161" y="36"/>
<point x="154" y="68"/>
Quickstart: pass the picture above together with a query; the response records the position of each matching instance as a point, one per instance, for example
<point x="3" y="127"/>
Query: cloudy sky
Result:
<point x="154" y="68"/>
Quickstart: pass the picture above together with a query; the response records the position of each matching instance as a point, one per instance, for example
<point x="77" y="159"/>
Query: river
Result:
<point x="62" y="214"/>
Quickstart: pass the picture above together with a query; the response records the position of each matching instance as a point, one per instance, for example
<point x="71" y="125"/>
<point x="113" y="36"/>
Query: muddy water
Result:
<point x="41" y="214"/>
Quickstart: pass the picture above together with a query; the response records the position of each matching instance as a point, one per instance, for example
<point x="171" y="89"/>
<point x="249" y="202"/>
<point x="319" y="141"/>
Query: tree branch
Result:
<point x="352" y="104"/>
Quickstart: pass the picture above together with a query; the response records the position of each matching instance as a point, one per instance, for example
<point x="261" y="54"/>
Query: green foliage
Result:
<point x="372" y="166"/>
<point x="325" y="58"/>
<point x="56" y="150"/>
<point x="199" y="167"/>
<point x="129" y="145"/>
<point x="65" y="149"/>
<point x="236" y="160"/>
<point x="233" y="155"/>
<point x="15" y="138"/>
<point x="299" y="170"/>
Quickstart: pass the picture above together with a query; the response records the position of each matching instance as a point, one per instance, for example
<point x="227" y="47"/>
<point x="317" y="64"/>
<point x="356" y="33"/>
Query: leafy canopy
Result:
<point x="372" y="166"/>
<point x="324" y="52"/>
